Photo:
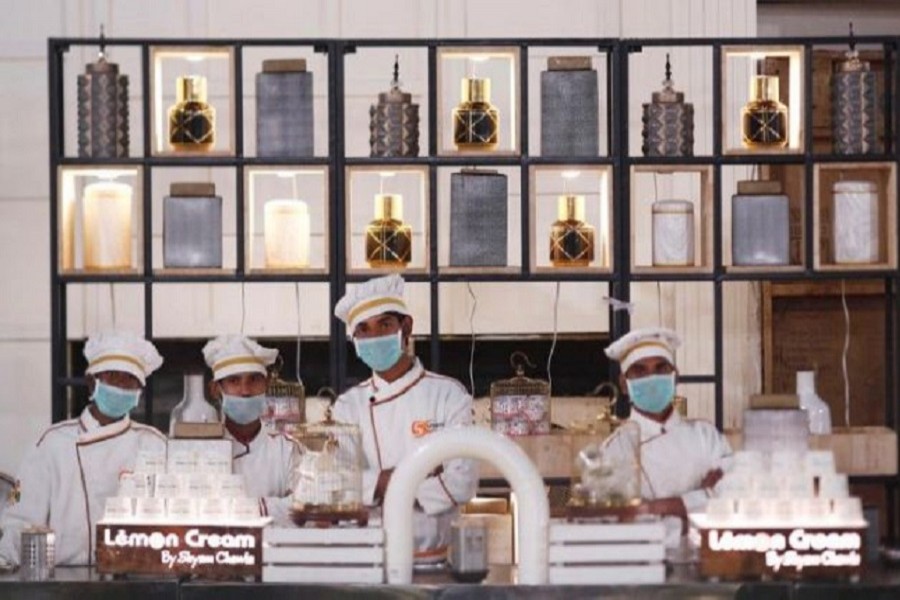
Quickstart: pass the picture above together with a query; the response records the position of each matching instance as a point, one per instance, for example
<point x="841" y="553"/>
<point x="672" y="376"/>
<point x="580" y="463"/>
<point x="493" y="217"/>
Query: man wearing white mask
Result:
<point x="265" y="459"/>
<point x="681" y="459"/>
<point x="66" y="477"/>
<point x="399" y="406"/>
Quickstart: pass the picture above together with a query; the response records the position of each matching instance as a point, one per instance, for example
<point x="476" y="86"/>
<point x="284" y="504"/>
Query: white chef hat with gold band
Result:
<point x="121" y="351"/>
<point x="374" y="297"/>
<point x="232" y="354"/>
<point x="644" y="343"/>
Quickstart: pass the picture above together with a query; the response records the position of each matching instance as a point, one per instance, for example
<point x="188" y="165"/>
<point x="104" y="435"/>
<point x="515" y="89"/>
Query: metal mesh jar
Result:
<point x="329" y="472"/>
<point x="520" y="405"/>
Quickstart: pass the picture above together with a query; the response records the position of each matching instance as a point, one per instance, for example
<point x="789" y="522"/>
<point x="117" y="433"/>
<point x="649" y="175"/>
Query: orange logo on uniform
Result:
<point x="420" y="428"/>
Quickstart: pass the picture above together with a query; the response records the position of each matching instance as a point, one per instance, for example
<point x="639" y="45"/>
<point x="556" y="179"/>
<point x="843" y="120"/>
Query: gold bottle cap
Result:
<point x="570" y="208"/>
<point x="191" y="88"/>
<point x="476" y="90"/>
<point x="764" y="87"/>
<point x="389" y="206"/>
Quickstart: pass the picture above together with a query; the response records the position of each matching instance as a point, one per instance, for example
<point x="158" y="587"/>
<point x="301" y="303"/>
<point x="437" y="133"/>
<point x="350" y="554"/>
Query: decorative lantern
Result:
<point x="192" y="121"/>
<point x="571" y="239"/>
<point x="102" y="109"/>
<point x="476" y="122"/>
<point x="764" y="119"/>
<point x="394" y="121"/>
<point x="388" y="238"/>
<point x="854" y="105"/>
<point x="668" y="121"/>
<point x="520" y="405"/>
<point x="286" y="401"/>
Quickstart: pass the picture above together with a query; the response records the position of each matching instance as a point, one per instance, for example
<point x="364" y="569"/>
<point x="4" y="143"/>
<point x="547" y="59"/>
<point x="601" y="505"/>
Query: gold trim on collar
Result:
<point x="119" y="357"/>
<point x="374" y="303"/>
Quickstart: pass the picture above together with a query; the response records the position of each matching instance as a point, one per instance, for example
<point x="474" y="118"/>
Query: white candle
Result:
<point x="856" y="236"/>
<point x="107" y="225"/>
<point x="286" y="234"/>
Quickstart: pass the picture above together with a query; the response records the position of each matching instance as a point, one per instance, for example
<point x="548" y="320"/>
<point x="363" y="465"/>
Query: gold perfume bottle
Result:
<point x="764" y="119"/>
<point x="388" y="239"/>
<point x="571" y="239"/>
<point x="476" y="122"/>
<point x="192" y="122"/>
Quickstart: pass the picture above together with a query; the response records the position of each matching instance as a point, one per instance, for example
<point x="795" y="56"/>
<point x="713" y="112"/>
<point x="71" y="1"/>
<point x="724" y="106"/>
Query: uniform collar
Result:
<point x="383" y="390"/>
<point x="650" y="428"/>
<point x="92" y="431"/>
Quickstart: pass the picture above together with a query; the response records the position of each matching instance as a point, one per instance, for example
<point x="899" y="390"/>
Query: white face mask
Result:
<point x="243" y="409"/>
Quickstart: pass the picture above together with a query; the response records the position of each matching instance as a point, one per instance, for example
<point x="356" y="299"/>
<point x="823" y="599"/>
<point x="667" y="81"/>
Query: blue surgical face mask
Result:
<point x="652" y="394"/>
<point x="114" y="402"/>
<point x="243" y="409"/>
<point x="380" y="353"/>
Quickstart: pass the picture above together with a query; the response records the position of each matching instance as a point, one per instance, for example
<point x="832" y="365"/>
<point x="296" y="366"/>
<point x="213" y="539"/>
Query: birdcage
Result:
<point x="328" y="475"/>
<point x="607" y="475"/>
<point x="285" y="401"/>
<point x="520" y="405"/>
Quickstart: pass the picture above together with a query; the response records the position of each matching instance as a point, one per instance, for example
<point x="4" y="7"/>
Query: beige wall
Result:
<point x="205" y="310"/>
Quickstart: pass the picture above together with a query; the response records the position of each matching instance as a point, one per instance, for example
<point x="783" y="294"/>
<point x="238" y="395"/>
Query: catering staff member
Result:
<point x="399" y="406"/>
<point x="265" y="459"/>
<point x="66" y="477"/>
<point x="681" y="459"/>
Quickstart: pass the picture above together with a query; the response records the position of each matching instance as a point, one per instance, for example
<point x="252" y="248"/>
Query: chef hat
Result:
<point x="121" y="351"/>
<point x="374" y="297"/>
<point x="644" y="343"/>
<point x="231" y="354"/>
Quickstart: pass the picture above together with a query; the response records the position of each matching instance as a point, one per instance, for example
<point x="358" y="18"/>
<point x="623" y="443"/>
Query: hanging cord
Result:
<point x="299" y="330"/>
<point x="472" y="333"/>
<point x="112" y="304"/>
<point x="555" y="332"/>
<point x="243" y="308"/>
<point x="844" y="355"/>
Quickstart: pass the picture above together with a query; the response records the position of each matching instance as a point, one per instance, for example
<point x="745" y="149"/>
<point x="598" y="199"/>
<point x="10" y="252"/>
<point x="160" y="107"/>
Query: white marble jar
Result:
<point x="673" y="233"/>
<point x="856" y="237"/>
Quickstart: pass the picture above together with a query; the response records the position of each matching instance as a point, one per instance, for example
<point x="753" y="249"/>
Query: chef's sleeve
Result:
<point x="33" y="505"/>
<point x="279" y="507"/>
<point x="720" y="457"/>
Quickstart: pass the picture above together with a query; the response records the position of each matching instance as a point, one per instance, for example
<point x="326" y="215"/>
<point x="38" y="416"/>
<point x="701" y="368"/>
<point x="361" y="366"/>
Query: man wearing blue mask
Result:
<point x="265" y="459"/>
<point x="399" y="406"/>
<point x="681" y="459"/>
<point x="66" y="477"/>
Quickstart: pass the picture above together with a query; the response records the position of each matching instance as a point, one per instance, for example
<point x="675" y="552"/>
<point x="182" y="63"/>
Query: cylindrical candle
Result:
<point x="287" y="234"/>
<point x="107" y="225"/>
<point x="673" y="233"/>
<point x="856" y="236"/>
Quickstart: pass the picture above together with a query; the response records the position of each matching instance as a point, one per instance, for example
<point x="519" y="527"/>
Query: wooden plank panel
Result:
<point x="322" y="574"/>
<point x="605" y="553"/>
<point x="334" y="535"/>
<point x="323" y="555"/>
<point x="606" y="532"/>
<point x="611" y="575"/>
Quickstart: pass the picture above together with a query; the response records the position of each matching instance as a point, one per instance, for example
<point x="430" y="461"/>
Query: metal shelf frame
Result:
<point x="616" y="52"/>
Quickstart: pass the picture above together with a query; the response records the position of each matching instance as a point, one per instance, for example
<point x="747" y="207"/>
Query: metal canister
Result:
<point x="38" y="554"/>
<point x="468" y="549"/>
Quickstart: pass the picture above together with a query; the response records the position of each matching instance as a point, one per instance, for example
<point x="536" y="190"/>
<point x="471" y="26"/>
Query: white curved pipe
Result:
<point x="477" y="443"/>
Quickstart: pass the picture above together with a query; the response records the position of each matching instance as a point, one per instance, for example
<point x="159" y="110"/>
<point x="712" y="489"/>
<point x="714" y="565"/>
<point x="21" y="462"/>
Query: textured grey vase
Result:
<point x="284" y="109"/>
<point x="478" y="218"/>
<point x="569" y="108"/>
<point x="192" y="226"/>
<point x="102" y="111"/>
<point x="760" y="224"/>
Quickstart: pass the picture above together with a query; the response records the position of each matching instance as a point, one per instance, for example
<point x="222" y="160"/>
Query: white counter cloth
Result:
<point x="267" y="465"/>
<point x="394" y="419"/>
<point x="66" y="478"/>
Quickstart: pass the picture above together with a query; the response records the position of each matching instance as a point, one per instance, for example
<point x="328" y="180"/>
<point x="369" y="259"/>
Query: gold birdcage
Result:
<point x="520" y="405"/>
<point x="286" y="400"/>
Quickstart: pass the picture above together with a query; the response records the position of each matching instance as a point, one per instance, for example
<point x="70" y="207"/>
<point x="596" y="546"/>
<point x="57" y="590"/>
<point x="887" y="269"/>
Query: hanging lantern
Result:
<point x="520" y="405"/>
<point x="286" y="401"/>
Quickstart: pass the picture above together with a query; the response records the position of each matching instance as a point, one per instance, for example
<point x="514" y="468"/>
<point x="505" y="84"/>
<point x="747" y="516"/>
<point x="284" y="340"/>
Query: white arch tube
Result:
<point x="476" y="443"/>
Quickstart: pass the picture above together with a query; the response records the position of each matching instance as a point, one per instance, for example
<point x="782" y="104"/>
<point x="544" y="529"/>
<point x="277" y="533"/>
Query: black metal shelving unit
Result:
<point x="617" y="54"/>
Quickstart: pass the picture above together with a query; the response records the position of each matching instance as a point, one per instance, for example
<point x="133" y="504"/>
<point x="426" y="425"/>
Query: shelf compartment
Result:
<point x="884" y="176"/>
<point x="498" y="65"/>
<point x="100" y="221"/>
<point x="286" y="220"/>
<point x="215" y="65"/>
<point x="740" y="64"/>
<point x="400" y="241"/>
<point x="586" y="188"/>
<point x="692" y="183"/>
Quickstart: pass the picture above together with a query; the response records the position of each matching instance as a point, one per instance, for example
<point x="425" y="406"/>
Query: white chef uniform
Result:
<point x="66" y="478"/>
<point x="394" y="419"/>
<point x="268" y="461"/>
<point x="268" y="466"/>
<point x="675" y="457"/>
